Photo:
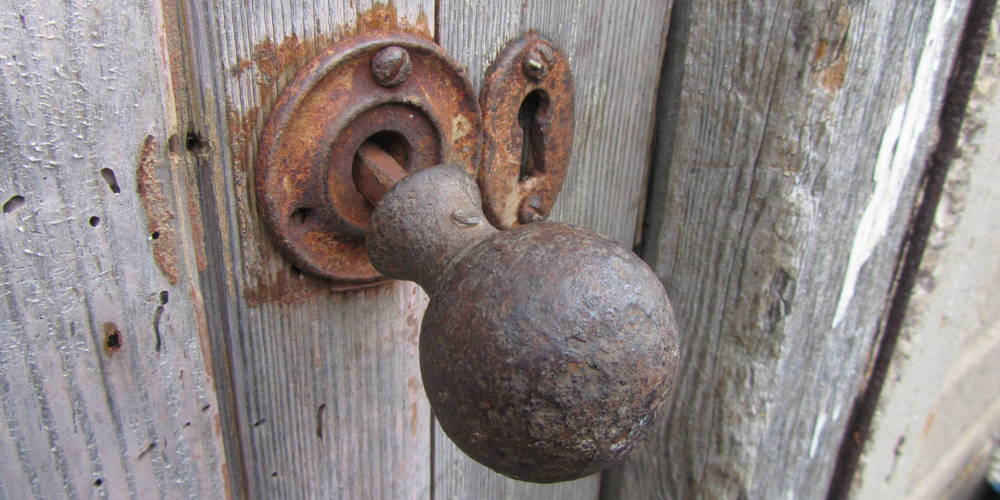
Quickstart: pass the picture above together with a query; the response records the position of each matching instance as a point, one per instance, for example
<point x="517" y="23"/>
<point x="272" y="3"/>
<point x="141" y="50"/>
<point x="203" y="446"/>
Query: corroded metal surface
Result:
<point x="414" y="99"/>
<point x="520" y="181"/>
<point x="547" y="350"/>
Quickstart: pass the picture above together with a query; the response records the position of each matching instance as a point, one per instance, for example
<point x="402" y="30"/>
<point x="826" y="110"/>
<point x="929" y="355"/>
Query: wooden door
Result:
<point x="130" y="136"/>
<point x="155" y="344"/>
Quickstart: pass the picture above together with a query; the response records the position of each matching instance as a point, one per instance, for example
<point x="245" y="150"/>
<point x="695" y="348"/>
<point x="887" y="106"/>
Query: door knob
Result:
<point x="546" y="350"/>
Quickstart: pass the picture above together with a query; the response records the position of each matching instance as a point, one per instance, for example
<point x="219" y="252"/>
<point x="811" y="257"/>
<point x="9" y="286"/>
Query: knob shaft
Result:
<point x="547" y="350"/>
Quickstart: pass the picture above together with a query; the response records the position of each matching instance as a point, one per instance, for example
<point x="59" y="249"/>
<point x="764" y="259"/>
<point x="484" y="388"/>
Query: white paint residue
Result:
<point x="817" y="432"/>
<point x="895" y="156"/>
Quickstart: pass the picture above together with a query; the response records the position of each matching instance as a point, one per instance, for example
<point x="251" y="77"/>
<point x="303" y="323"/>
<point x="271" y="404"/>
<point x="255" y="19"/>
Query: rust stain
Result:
<point x="830" y="59"/>
<point x="273" y="280"/>
<point x="158" y="213"/>
<point x="287" y="286"/>
<point x="197" y="229"/>
<point x="413" y="419"/>
<point x="929" y="423"/>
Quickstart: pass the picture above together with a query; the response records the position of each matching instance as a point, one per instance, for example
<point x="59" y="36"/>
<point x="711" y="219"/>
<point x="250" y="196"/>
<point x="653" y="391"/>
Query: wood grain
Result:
<point x="792" y="137"/>
<point x="105" y="385"/>
<point x="325" y="398"/>
<point x="615" y="53"/>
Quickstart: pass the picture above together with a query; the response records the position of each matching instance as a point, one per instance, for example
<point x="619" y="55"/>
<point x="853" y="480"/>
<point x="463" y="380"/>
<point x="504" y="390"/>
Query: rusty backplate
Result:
<point x="527" y="105"/>
<point x="397" y="90"/>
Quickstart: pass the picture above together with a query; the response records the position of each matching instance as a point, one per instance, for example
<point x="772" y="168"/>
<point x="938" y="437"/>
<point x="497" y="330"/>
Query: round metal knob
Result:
<point x="547" y="350"/>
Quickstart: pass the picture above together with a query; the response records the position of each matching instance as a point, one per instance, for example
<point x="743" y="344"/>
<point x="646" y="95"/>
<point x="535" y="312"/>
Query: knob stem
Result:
<point x="424" y="223"/>
<point x="375" y="172"/>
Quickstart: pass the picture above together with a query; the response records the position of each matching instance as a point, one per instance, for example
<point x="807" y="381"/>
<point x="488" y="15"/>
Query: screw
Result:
<point x="531" y="210"/>
<point x="391" y="66"/>
<point x="537" y="61"/>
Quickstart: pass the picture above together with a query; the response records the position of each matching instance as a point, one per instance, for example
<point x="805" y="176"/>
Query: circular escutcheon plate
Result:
<point x="305" y="190"/>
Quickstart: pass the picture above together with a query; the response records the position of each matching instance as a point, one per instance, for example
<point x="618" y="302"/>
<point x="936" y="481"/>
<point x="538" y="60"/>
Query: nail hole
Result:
<point x="155" y="235"/>
<point x="187" y="424"/>
<point x="300" y="215"/>
<point x="259" y="422"/>
<point x="94" y="221"/>
<point x="319" y="421"/>
<point x="206" y="407"/>
<point x="98" y="482"/>
<point x="109" y="177"/>
<point x="532" y="111"/>
<point x="112" y="337"/>
<point x="195" y="144"/>
<point x="24" y="26"/>
<point x="164" y="298"/>
<point x="15" y="202"/>
<point x="274" y="474"/>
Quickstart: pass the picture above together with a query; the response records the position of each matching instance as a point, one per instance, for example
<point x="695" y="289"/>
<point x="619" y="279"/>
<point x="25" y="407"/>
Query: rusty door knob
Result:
<point x="547" y="350"/>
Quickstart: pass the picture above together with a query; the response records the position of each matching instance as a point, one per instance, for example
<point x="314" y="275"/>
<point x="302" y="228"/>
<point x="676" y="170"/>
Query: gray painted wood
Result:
<point x="793" y="135"/>
<point x="615" y="54"/>
<point x="325" y="396"/>
<point x="939" y="410"/>
<point x="81" y="269"/>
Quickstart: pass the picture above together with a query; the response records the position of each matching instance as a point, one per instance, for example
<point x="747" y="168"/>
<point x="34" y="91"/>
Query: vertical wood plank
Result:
<point x="326" y="396"/>
<point x="106" y="386"/>
<point x="615" y="53"/>
<point x="793" y="136"/>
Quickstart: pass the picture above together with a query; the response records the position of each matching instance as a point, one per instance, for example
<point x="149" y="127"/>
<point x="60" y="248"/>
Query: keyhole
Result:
<point x="533" y="105"/>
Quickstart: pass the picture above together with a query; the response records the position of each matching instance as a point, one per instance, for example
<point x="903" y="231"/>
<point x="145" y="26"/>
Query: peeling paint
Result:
<point x="896" y="154"/>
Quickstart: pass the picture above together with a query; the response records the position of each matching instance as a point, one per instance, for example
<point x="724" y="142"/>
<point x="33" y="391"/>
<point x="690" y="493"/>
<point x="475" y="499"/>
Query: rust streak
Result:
<point x="830" y="59"/>
<point x="158" y="213"/>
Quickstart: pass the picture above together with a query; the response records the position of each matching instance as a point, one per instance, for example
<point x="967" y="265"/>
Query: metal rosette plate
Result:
<point x="306" y="195"/>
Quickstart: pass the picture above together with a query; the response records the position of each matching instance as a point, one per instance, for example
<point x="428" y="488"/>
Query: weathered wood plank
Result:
<point x="793" y="133"/>
<point x="614" y="52"/>
<point x="326" y="398"/>
<point x="105" y="384"/>
<point x="939" y="408"/>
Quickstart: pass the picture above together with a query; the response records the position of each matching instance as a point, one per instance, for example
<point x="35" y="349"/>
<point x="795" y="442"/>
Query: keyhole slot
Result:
<point x="530" y="116"/>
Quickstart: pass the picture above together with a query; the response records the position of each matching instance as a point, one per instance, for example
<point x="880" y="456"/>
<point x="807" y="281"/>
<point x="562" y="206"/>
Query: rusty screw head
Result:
<point x="391" y="66"/>
<point x="531" y="210"/>
<point x="537" y="61"/>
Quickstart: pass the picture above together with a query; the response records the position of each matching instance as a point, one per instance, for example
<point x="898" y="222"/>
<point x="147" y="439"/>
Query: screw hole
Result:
<point x="300" y="215"/>
<point x="15" y="202"/>
<point x="195" y="144"/>
<point x="94" y="221"/>
<point x="155" y="235"/>
<point x="111" y="180"/>
<point x="112" y="337"/>
<point x="98" y="482"/>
